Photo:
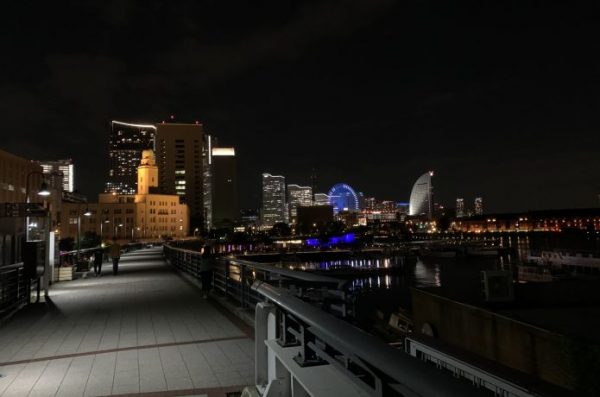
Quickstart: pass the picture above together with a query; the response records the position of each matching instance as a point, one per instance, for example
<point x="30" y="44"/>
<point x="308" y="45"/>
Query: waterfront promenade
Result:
<point x="145" y="332"/>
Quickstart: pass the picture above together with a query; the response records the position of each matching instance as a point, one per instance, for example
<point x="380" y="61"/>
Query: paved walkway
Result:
<point x="145" y="332"/>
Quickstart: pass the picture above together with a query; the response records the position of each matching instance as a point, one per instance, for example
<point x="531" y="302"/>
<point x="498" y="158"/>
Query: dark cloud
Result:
<point x="500" y="99"/>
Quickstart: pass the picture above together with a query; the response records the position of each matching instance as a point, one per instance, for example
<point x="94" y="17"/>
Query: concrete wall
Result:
<point x="511" y="343"/>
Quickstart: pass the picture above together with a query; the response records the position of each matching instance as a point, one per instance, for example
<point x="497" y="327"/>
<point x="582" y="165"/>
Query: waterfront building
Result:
<point x="478" y="207"/>
<point x="179" y="159"/>
<point x="460" y="207"/>
<point x="403" y="207"/>
<point x="321" y="199"/>
<point x="55" y="168"/>
<point x="370" y="203"/>
<point x="223" y="187"/>
<point x="343" y="198"/>
<point x="298" y="196"/>
<point x="126" y="143"/>
<point x="148" y="214"/>
<point x="584" y="219"/>
<point x="421" y="197"/>
<point x="273" y="200"/>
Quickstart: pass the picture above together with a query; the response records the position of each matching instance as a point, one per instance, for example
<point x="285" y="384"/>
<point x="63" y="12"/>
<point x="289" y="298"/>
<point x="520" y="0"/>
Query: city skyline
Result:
<point x="401" y="90"/>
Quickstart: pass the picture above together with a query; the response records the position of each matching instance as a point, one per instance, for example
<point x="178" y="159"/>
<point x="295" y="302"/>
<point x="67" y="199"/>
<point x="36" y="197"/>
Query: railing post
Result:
<point x="264" y="329"/>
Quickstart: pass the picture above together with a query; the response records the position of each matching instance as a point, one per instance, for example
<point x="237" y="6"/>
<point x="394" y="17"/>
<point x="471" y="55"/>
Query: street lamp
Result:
<point x="106" y="220"/>
<point x="43" y="191"/>
<point x="88" y="213"/>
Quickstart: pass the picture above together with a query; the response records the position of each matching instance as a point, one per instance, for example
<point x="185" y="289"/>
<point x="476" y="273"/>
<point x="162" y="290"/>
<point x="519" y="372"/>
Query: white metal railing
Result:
<point x="304" y="351"/>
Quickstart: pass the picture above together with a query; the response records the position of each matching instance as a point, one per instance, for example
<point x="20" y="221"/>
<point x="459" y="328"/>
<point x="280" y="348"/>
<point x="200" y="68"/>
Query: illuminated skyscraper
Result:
<point x="478" y="206"/>
<point x="64" y="167"/>
<point x="273" y="199"/>
<point x="223" y="170"/>
<point x="421" y="196"/>
<point x="127" y="141"/>
<point x="298" y="196"/>
<point x="460" y="207"/>
<point x="179" y="158"/>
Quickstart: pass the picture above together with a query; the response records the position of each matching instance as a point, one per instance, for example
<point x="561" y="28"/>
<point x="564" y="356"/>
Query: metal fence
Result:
<point x="14" y="287"/>
<point x="302" y="350"/>
<point x="234" y="277"/>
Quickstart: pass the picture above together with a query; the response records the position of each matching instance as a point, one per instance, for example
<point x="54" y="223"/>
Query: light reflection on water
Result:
<point x="427" y="275"/>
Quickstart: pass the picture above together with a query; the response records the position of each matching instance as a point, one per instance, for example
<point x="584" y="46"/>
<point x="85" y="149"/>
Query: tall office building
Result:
<point x="223" y="170"/>
<point x="207" y="180"/>
<point x="179" y="158"/>
<point x="478" y="206"/>
<point x="460" y="207"/>
<point x="64" y="167"/>
<point x="421" y="197"/>
<point x="273" y="199"/>
<point x="298" y="196"/>
<point x="127" y="141"/>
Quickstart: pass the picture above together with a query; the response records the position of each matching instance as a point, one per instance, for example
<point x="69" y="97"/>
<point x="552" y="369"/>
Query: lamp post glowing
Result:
<point x="88" y="213"/>
<point x="106" y="220"/>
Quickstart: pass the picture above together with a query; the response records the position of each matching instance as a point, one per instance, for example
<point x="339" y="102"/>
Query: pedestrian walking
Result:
<point x="206" y="270"/>
<point x="98" y="259"/>
<point x="115" y="254"/>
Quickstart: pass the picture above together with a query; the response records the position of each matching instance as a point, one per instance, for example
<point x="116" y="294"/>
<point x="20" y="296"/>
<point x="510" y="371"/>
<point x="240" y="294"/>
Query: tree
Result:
<point x="66" y="244"/>
<point x="90" y="240"/>
<point x="281" y="229"/>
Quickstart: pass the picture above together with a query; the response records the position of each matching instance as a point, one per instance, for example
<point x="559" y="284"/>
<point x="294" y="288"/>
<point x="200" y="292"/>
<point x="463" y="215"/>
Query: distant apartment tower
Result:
<point x="179" y="158"/>
<point x="126" y="143"/>
<point x="273" y="199"/>
<point x="223" y="170"/>
<point x="460" y="208"/>
<point x="64" y="167"/>
<point x="298" y="196"/>
<point x="478" y="206"/>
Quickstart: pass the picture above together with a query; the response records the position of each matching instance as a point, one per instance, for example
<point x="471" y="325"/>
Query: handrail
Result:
<point x="304" y="276"/>
<point x="13" y="266"/>
<point x="415" y="378"/>
<point x="271" y="268"/>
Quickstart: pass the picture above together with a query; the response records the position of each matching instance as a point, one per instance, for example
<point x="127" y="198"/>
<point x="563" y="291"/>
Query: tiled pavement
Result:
<point x="145" y="332"/>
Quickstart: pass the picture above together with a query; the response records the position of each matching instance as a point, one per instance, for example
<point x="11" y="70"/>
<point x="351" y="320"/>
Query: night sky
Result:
<point x="500" y="100"/>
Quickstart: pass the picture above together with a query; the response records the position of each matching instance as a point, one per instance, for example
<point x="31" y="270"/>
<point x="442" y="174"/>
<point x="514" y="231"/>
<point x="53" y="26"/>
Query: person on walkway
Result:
<point x="206" y="270"/>
<point x="98" y="259"/>
<point x="115" y="254"/>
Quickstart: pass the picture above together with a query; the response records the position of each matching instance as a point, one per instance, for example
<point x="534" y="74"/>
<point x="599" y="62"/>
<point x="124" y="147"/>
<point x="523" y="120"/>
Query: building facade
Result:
<point x="146" y="215"/>
<point x="126" y="143"/>
<point x="421" y="197"/>
<point x="224" y="203"/>
<point x="180" y="163"/>
<point x="460" y="207"/>
<point x="321" y="199"/>
<point x="298" y="196"/>
<point x="273" y="200"/>
<point x="64" y="167"/>
<point x="478" y="207"/>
